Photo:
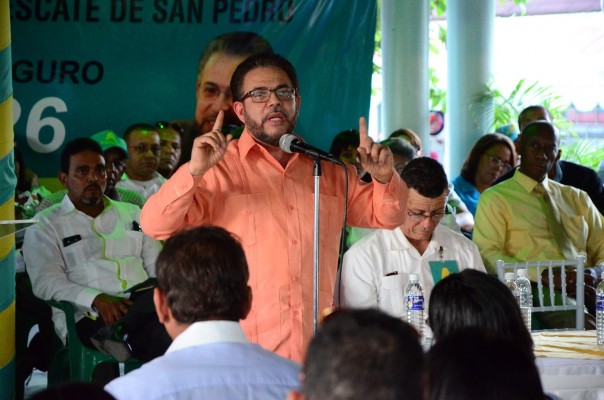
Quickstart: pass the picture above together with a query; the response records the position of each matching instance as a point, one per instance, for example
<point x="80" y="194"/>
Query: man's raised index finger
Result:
<point x="362" y="132"/>
<point x="218" y="122"/>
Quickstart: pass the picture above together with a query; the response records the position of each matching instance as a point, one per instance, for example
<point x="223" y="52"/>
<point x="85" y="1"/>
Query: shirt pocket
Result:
<point x="77" y="253"/>
<point x="249" y="216"/>
<point x="128" y="244"/>
<point x="390" y="296"/>
<point x="577" y="231"/>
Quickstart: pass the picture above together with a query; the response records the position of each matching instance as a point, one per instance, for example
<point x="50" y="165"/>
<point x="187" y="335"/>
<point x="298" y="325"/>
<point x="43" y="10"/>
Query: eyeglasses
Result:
<point x="496" y="162"/>
<point x="262" y="95"/>
<point x="165" y="125"/>
<point x="83" y="171"/>
<point x="211" y="92"/>
<point x="143" y="148"/>
<point x="420" y="217"/>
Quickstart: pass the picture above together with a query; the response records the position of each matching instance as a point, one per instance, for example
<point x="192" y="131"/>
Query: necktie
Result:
<point x="552" y="214"/>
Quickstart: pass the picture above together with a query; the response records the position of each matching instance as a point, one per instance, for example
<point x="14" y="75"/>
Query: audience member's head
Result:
<point x="477" y="364"/>
<point x="170" y="139"/>
<point x="115" y="152"/>
<point x="402" y="152"/>
<point x="491" y="156"/>
<point x="475" y="299"/>
<point x="75" y="390"/>
<point x="83" y="172"/>
<point x="217" y="63"/>
<point x="202" y="275"/>
<point x="409" y="136"/>
<point x="533" y="113"/>
<point x="539" y="149"/>
<point x="363" y="354"/>
<point x="344" y="146"/>
<point x="144" y="150"/>
<point x="426" y="200"/>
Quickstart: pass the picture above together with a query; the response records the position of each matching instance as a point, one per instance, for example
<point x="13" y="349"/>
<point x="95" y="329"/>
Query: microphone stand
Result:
<point x="317" y="175"/>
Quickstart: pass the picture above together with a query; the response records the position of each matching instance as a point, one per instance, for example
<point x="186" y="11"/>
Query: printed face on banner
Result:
<point x="214" y="91"/>
<point x="268" y="121"/>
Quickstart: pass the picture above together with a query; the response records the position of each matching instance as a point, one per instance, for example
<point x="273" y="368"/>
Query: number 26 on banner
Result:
<point x="36" y="122"/>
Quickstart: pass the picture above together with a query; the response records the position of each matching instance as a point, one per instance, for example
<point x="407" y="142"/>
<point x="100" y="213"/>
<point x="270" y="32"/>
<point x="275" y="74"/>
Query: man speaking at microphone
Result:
<point x="264" y="195"/>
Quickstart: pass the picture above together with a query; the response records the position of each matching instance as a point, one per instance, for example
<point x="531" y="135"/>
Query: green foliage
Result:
<point x="583" y="152"/>
<point x="503" y="108"/>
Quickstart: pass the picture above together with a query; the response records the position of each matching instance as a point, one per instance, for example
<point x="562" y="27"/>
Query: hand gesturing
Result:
<point x="209" y="148"/>
<point x="376" y="159"/>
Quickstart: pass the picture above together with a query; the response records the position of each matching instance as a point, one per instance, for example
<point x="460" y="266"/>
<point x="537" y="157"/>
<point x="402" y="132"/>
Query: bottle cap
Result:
<point x="510" y="276"/>
<point x="413" y="278"/>
<point x="522" y="272"/>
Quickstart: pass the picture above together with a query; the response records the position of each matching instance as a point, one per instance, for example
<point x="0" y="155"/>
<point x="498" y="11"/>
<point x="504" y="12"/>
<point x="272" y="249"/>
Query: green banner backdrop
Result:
<point x="82" y="66"/>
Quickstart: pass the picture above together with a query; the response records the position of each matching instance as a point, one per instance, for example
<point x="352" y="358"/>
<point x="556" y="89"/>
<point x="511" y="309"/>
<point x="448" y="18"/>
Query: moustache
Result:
<point x="93" y="186"/>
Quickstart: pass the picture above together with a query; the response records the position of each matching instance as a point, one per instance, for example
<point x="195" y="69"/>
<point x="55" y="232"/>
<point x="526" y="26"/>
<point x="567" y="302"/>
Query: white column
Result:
<point x="470" y="26"/>
<point x="405" y="26"/>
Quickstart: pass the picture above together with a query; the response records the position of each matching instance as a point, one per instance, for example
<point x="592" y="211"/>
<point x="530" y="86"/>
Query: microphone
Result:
<point x="291" y="144"/>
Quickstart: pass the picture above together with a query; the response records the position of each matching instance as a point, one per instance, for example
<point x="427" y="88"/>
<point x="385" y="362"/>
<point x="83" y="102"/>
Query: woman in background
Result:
<point x="491" y="156"/>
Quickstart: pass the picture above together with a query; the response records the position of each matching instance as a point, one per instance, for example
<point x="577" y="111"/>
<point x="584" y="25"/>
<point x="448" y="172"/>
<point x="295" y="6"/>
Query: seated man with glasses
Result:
<point x="376" y="269"/>
<point x="144" y="150"/>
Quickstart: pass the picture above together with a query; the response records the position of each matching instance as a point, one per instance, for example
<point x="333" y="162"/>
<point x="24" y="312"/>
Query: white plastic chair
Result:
<point x="564" y="266"/>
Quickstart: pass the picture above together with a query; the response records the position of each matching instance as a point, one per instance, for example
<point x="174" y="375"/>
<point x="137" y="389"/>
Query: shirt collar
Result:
<point x="206" y="332"/>
<point x="528" y="183"/>
<point x="402" y="243"/>
<point x="68" y="207"/>
<point x="247" y="143"/>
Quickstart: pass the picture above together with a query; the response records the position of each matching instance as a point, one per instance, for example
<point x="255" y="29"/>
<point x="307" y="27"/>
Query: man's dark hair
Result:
<point x="76" y="146"/>
<point x="427" y="176"/>
<point x="529" y="110"/>
<point x="139" y="126"/>
<point x="349" y="137"/>
<point x="234" y="44"/>
<point x="203" y="273"/>
<point x="470" y="165"/>
<point x="262" y="60"/>
<point x="473" y="298"/>
<point x="474" y="364"/>
<point x="363" y="354"/>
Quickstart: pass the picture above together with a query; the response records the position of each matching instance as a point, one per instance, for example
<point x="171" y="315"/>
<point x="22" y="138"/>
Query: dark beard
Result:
<point x="258" y="133"/>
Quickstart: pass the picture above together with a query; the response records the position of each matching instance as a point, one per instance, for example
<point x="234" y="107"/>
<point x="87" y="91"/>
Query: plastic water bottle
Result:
<point x="600" y="312"/>
<point x="414" y="304"/>
<point x="510" y="282"/>
<point x="525" y="293"/>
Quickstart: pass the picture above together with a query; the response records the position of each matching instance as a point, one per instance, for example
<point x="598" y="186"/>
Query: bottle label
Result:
<point x="415" y="303"/>
<point x="600" y="302"/>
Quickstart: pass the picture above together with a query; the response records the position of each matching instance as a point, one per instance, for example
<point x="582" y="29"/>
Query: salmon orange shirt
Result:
<point x="270" y="209"/>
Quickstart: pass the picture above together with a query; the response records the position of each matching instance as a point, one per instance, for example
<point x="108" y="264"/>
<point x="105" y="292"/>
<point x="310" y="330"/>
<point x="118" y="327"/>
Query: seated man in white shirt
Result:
<point x="512" y="222"/>
<point x="376" y="269"/>
<point x="144" y="151"/>
<point x="89" y="250"/>
<point x="201" y="295"/>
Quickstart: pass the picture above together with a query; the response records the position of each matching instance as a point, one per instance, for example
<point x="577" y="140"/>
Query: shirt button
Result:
<point x="291" y="208"/>
<point x="294" y="242"/>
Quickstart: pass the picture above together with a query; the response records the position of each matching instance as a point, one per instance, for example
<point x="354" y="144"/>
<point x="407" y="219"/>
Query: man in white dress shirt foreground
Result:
<point x="376" y="269"/>
<point x="202" y="294"/>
